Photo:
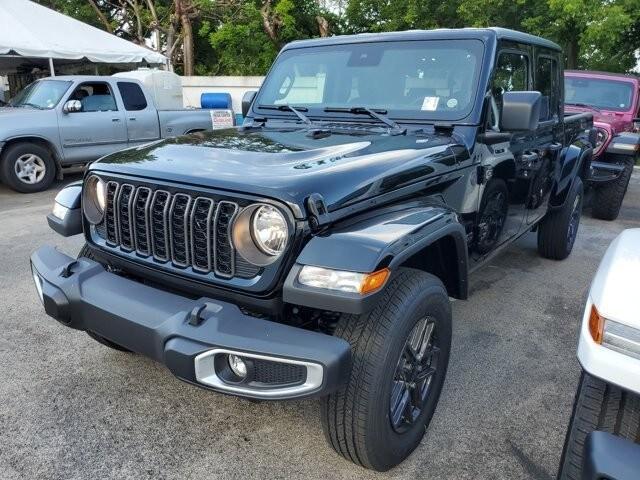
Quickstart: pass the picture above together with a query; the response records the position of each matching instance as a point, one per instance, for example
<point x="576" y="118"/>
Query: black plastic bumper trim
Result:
<point x="155" y="323"/>
<point x="610" y="457"/>
<point x="602" y="172"/>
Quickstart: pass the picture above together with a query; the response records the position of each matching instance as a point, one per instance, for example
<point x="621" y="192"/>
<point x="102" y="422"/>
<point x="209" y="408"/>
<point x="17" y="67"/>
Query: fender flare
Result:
<point x="384" y="239"/>
<point x="573" y="162"/>
<point x="624" y="143"/>
<point x="70" y="198"/>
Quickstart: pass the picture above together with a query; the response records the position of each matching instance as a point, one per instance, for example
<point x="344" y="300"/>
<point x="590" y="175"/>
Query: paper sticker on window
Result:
<point x="430" y="104"/>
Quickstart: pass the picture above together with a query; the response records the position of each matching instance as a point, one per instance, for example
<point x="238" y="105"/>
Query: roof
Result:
<point x="596" y="73"/>
<point x="436" y="34"/>
<point x="31" y="30"/>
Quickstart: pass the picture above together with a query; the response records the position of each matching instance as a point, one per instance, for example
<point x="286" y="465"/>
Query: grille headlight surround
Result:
<point x="260" y="234"/>
<point x="94" y="199"/>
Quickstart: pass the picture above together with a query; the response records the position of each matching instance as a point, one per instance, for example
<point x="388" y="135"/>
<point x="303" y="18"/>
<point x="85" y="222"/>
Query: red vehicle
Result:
<point x="614" y="100"/>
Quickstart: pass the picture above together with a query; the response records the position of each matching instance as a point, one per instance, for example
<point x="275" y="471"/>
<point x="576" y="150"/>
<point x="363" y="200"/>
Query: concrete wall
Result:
<point x="193" y="87"/>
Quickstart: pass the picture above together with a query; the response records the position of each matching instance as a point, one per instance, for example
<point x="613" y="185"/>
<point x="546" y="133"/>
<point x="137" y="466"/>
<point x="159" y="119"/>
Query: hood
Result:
<point x="615" y="121"/>
<point x="13" y="114"/>
<point x="288" y="165"/>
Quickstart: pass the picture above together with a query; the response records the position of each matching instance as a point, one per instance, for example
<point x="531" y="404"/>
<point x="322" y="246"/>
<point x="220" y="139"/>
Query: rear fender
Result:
<point x="573" y="162"/>
<point x="388" y="239"/>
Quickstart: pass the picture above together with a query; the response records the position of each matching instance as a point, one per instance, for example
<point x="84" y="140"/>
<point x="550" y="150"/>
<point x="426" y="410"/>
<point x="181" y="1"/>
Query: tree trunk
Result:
<point x="572" y="54"/>
<point x="270" y="22"/>
<point x="323" y="26"/>
<point x="101" y="16"/>
<point x="187" y="44"/>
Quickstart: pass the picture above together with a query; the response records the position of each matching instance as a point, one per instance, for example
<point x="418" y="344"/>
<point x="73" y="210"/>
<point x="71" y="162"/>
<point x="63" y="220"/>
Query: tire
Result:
<point x="27" y="167"/>
<point x="86" y="252"/>
<point x="598" y="406"/>
<point x="608" y="198"/>
<point x="356" y="420"/>
<point x="557" y="232"/>
<point x="493" y="211"/>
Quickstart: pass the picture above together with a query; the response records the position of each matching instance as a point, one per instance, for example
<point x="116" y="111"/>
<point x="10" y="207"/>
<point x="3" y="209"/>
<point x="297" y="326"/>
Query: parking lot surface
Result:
<point x="73" y="409"/>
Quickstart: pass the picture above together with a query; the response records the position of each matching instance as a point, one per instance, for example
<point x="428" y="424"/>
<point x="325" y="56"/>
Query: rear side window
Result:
<point x="547" y="83"/>
<point x="132" y="96"/>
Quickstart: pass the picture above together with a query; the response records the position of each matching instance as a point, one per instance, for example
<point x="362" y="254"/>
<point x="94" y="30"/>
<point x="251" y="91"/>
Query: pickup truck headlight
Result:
<point x="614" y="335"/>
<point x="601" y="138"/>
<point x="94" y="199"/>
<point x="260" y="234"/>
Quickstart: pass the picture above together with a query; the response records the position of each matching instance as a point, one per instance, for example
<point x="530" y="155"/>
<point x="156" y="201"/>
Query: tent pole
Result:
<point x="52" y="70"/>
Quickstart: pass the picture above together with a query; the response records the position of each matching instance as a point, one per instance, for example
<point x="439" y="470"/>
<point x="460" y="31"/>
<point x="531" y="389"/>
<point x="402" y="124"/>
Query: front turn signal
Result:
<point x="596" y="325"/>
<point x="373" y="281"/>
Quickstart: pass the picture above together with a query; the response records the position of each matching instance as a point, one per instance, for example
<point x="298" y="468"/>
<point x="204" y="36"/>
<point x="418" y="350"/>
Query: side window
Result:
<point x="95" y="97"/>
<point x="511" y="74"/>
<point x="547" y="83"/>
<point x="132" y="96"/>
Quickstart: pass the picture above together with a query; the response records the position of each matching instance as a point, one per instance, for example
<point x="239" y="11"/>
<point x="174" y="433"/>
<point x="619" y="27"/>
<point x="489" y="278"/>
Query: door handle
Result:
<point x="132" y="119"/>
<point x="115" y="119"/>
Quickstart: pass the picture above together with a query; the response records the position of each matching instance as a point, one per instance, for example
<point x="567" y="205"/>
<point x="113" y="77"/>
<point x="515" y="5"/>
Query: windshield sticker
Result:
<point x="452" y="103"/>
<point x="430" y="104"/>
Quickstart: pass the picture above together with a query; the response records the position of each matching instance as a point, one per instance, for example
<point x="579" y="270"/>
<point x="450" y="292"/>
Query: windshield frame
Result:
<point x="32" y="85"/>
<point x="471" y="117"/>
<point x="630" y="83"/>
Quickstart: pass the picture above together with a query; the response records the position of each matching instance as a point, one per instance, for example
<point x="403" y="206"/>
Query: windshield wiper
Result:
<point x="288" y="108"/>
<point x="378" y="115"/>
<point x="27" y="104"/>
<point x="583" y="105"/>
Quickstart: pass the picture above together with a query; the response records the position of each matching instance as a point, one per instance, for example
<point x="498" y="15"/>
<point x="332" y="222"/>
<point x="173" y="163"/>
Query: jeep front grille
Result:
<point x="183" y="228"/>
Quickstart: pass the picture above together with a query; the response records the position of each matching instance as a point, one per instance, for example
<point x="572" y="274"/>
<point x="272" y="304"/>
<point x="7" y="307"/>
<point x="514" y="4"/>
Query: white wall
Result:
<point x="193" y="87"/>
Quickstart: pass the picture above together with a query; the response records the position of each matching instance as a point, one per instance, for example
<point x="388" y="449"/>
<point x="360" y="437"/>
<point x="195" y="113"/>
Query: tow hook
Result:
<point x="66" y="270"/>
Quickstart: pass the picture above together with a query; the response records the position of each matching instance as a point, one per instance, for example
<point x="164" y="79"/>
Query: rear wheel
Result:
<point x="400" y="353"/>
<point x="608" y="198"/>
<point x="87" y="253"/>
<point x="558" y="230"/>
<point x="598" y="406"/>
<point x="27" y="167"/>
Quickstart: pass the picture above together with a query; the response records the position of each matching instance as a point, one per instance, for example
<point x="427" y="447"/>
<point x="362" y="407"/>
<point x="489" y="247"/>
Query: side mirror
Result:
<point x="520" y="111"/>
<point x="247" y="100"/>
<point x="72" y="106"/>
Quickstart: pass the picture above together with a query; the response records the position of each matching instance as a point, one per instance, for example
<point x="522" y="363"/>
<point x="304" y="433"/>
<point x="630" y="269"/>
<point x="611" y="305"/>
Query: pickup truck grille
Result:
<point x="183" y="228"/>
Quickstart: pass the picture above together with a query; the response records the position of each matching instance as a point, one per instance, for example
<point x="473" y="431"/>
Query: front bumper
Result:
<point x="608" y="456"/>
<point x="188" y="335"/>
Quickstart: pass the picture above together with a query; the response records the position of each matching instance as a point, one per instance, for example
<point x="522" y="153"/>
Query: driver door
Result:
<point x="97" y="130"/>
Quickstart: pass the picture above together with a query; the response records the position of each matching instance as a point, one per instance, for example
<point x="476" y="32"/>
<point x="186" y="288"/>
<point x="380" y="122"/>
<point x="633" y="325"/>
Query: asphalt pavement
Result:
<point x="73" y="409"/>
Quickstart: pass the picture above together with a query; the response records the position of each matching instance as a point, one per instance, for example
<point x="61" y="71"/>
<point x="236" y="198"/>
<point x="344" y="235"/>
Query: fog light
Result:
<point x="38" y="281"/>
<point x="238" y="365"/>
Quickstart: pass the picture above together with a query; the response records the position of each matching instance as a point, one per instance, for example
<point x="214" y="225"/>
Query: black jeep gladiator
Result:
<point x="313" y="251"/>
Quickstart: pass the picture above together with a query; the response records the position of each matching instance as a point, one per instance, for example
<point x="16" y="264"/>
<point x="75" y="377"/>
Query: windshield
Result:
<point x="599" y="93"/>
<point x="429" y="79"/>
<point x="43" y="94"/>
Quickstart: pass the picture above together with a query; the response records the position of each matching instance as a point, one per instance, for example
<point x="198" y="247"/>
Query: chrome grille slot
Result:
<point x="179" y="229"/>
<point x="191" y="231"/>
<point x="111" y="228"/>
<point x="224" y="257"/>
<point x="201" y="215"/>
<point x="123" y="207"/>
<point x="159" y="232"/>
<point x="141" y="202"/>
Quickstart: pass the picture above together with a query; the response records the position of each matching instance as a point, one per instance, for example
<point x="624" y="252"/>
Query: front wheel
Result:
<point x="27" y="167"/>
<point x="607" y="199"/>
<point x="400" y="354"/>
<point x="598" y="406"/>
<point x="557" y="232"/>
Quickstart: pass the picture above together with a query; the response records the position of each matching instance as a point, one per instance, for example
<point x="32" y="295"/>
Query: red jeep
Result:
<point x="614" y="101"/>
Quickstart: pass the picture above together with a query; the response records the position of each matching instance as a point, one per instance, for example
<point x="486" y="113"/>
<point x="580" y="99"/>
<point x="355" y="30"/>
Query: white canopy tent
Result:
<point x="30" y="31"/>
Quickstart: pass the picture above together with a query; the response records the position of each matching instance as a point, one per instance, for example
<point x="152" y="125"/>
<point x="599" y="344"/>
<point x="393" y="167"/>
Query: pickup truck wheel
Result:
<point x="400" y="353"/>
<point x="557" y="232"/>
<point x="87" y="253"/>
<point x="608" y="198"/>
<point x="27" y="167"/>
<point x="598" y="406"/>
<point x="493" y="213"/>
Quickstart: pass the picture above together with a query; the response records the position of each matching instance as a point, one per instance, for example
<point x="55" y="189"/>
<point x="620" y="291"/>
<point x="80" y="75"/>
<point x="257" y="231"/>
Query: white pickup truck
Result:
<point x="603" y="440"/>
<point x="64" y="121"/>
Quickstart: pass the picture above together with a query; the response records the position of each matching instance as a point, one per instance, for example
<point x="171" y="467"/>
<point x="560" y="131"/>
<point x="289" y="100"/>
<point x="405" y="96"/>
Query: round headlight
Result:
<point x="94" y="199"/>
<point x="269" y="230"/>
